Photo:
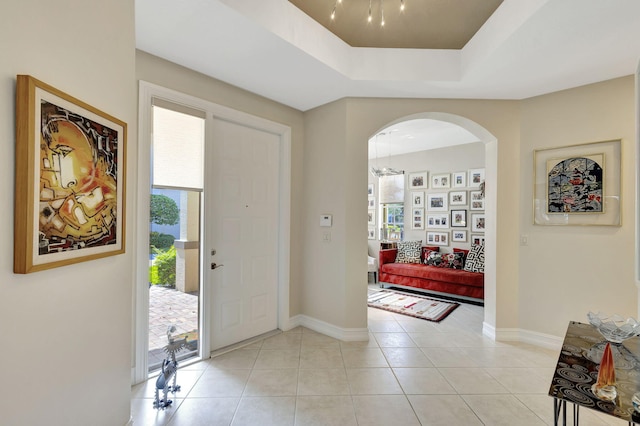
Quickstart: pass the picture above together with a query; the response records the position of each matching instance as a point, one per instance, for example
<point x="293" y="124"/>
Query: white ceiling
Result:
<point x="271" y="48"/>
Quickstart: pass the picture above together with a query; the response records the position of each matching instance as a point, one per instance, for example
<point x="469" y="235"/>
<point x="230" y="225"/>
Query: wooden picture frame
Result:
<point x="70" y="179"/>
<point x="578" y="184"/>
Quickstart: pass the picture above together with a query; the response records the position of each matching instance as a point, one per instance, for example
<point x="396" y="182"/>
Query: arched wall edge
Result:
<point x="491" y="158"/>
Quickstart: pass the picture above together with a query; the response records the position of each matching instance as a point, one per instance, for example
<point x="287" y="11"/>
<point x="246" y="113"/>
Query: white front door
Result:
<point x="243" y="232"/>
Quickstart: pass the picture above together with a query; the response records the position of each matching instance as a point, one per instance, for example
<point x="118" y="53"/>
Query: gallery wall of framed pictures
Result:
<point x="448" y="206"/>
<point x="442" y="196"/>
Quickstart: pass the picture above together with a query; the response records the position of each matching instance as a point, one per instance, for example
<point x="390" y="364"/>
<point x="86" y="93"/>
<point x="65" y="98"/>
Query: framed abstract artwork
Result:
<point x="578" y="184"/>
<point x="70" y="179"/>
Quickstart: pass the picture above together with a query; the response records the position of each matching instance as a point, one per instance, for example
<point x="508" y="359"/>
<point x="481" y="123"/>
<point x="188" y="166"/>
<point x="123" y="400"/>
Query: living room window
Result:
<point x="392" y="221"/>
<point x="392" y="207"/>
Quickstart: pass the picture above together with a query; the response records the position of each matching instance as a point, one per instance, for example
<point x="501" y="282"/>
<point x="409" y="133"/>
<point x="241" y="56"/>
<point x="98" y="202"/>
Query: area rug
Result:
<point x="412" y="305"/>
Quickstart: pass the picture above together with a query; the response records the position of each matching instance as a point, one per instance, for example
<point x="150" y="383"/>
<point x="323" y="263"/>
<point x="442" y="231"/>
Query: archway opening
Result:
<point x="437" y="157"/>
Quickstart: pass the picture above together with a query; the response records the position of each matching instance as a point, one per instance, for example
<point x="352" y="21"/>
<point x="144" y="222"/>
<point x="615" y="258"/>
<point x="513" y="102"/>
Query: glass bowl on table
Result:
<point x="614" y="328"/>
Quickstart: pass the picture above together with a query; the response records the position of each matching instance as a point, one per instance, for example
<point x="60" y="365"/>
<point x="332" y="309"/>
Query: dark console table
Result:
<point x="577" y="370"/>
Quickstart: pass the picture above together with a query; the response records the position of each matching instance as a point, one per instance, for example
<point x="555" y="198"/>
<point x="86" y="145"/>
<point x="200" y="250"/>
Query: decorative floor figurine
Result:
<point x="169" y="370"/>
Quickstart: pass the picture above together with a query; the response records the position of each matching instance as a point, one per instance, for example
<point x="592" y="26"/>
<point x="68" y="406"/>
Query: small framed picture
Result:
<point x="417" y="180"/>
<point x="417" y="218"/>
<point x="476" y="177"/>
<point x="417" y="199"/>
<point x="437" y="202"/>
<point x="458" y="218"/>
<point x="372" y="202"/>
<point x="459" y="179"/>
<point x="458" y="198"/>
<point x="477" y="223"/>
<point x="459" y="236"/>
<point x="477" y="201"/>
<point x="477" y="239"/>
<point x="438" y="220"/>
<point x="371" y="233"/>
<point x="438" y="238"/>
<point x="441" y="180"/>
<point x="371" y="221"/>
<point x="371" y="189"/>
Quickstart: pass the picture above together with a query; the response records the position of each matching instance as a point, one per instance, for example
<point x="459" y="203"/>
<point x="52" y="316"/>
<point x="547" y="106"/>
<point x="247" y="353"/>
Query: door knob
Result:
<point x="215" y="265"/>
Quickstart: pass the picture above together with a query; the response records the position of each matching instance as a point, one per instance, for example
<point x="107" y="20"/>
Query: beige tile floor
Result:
<point x="410" y="372"/>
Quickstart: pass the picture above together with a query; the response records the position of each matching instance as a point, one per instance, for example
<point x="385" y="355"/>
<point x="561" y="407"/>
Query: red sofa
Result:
<point x="455" y="282"/>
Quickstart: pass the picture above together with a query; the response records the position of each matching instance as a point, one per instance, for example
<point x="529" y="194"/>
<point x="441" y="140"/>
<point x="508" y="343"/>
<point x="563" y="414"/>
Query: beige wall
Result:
<point x="364" y="117"/>
<point x="567" y="271"/>
<point x="66" y="332"/>
<point x="167" y="74"/>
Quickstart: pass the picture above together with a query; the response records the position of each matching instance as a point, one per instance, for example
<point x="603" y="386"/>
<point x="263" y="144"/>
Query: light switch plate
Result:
<point x="326" y="220"/>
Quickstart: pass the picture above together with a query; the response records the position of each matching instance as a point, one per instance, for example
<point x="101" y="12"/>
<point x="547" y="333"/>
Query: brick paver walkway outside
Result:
<point x="168" y="306"/>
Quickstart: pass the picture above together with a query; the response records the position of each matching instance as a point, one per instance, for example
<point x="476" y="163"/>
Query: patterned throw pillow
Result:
<point x="475" y="259"/>
<point x="445" y="260"/>
<point x="409" y="252"/>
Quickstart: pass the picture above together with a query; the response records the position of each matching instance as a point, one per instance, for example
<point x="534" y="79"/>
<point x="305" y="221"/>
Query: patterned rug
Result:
<point x="411" y="304"/>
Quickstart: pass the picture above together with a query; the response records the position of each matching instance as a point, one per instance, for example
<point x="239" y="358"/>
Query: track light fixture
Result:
<point x="370" y="15"/>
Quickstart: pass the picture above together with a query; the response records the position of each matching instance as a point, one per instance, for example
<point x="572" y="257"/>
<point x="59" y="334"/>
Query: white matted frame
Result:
<point x="417" y="180"/>
<point x="459" y="236"/>
<point x="438" y="238"/>
<point x="458" y="198"/>
<point x="371" y="189"/>
<point x="440" y="180"/>
<point x="458" y="218"/>
<point x="438" y="220"/>
<point x="477" y="200"/>
<point x="371" y="220"/>
<point x="417" y="218"/>
<point x="70" y="179"/>
<point x="371" y="233"/>
<point x="476" y="177"/>
<point x="437" y="202"/>
<point x="417" y="198"/>
<point x="478" y="223"/>
<point x="578" y="184"/>
<point x="458" y="179"/>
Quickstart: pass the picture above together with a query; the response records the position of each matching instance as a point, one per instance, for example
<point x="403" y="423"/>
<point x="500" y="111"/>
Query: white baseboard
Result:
<point x="344" y="334"/>
<point x="525" y="336"/>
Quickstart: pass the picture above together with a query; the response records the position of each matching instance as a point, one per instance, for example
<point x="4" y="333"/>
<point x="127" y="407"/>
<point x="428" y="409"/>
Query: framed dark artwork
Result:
<point x="578" y="185"/>
<point x="458" y="218"/>
<point x="70" y="179"/>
